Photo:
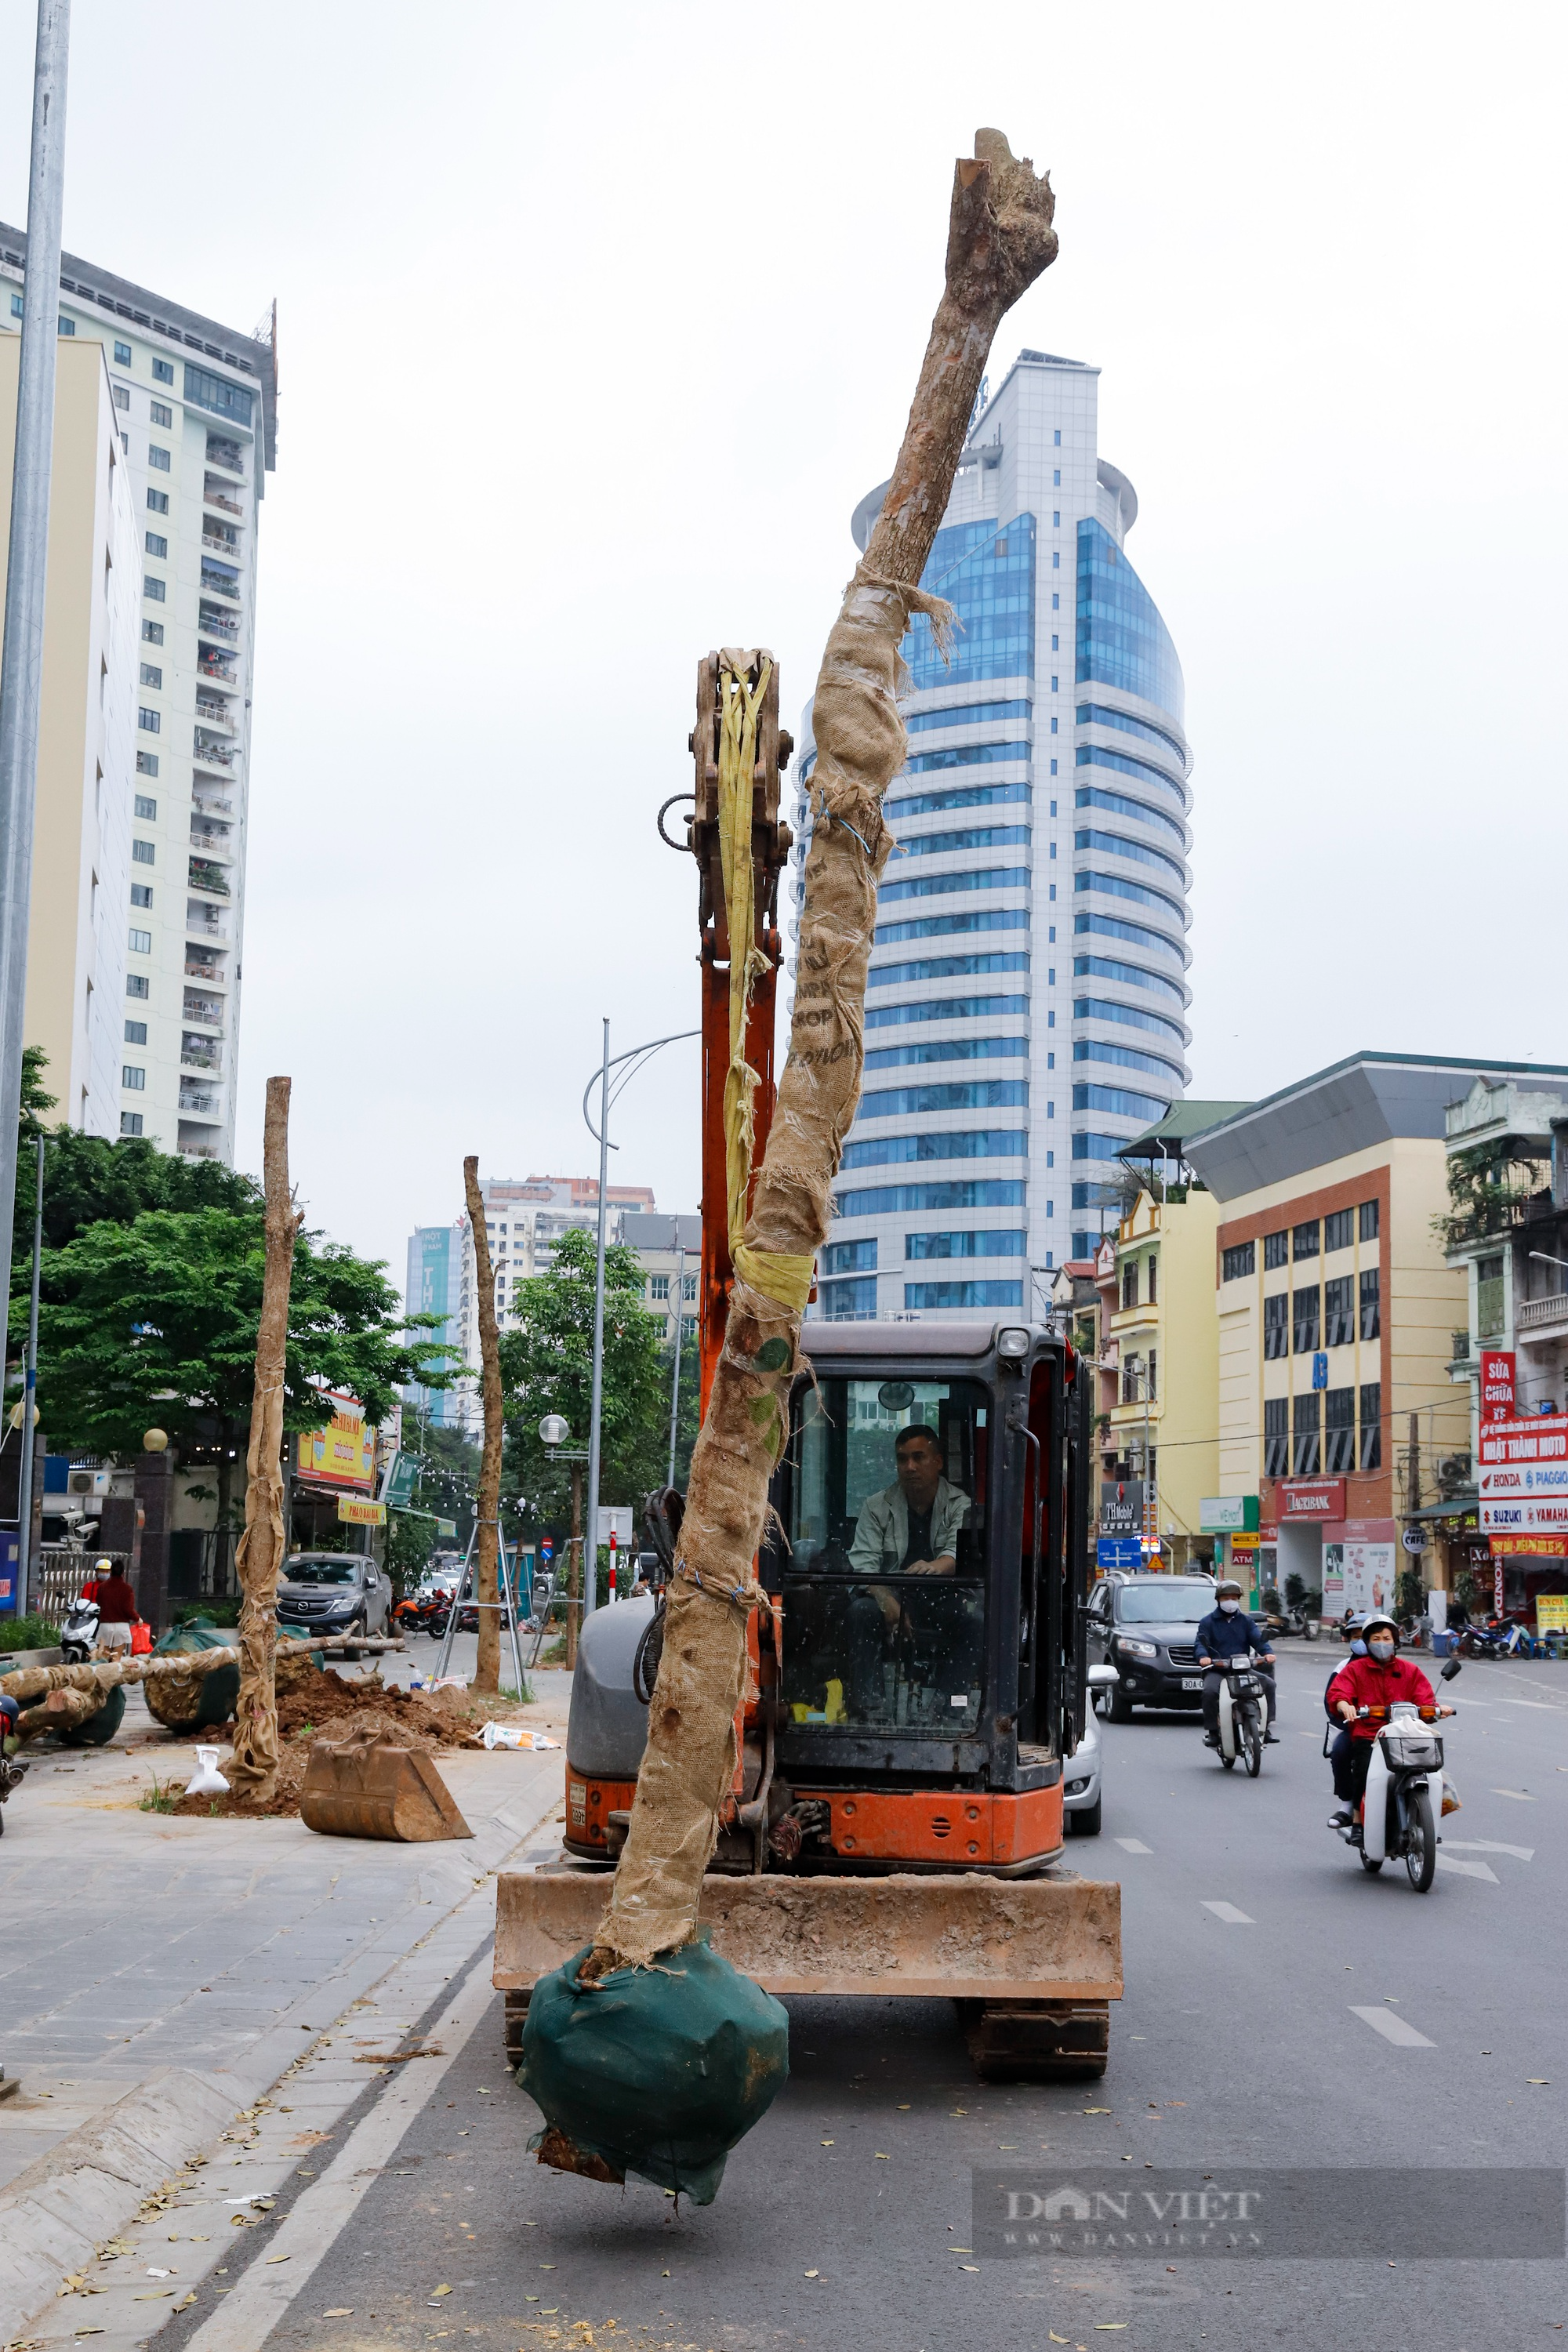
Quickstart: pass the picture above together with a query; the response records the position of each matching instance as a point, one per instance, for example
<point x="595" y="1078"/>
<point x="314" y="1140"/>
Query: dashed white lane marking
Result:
<point x="1490" y="1845"/>
<point x="1134" y="1845"/>
<point x="1230" y="1915"/>
<point x="1446" y="1861"/>
<point x="1520" y="1796"/>
<point x="1393" y="2028"/>
<point x="1541" y="1706"/>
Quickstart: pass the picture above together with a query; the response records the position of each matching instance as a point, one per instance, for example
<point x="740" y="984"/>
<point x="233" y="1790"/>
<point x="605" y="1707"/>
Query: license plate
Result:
<point x="1192" y="1682"/>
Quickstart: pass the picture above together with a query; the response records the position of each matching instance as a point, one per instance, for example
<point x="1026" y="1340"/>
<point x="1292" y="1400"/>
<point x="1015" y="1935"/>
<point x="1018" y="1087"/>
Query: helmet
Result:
<point x="1377" y="1621"/>
<point x="103" y="1568"/>
<point x="1226" y="1585"/>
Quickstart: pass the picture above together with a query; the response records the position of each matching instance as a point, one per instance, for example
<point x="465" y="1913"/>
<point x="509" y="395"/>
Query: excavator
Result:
<point x="895" y="1824"/>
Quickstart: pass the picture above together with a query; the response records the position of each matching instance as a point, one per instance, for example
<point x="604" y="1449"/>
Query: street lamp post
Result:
<point x="675" y="1382"/>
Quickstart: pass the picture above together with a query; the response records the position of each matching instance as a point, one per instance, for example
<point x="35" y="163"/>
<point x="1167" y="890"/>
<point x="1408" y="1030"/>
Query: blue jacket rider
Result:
<point x="1228" y="1633"/>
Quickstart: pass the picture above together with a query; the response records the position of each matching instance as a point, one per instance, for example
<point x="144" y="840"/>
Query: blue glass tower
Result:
<point x="1026" y="1009"/>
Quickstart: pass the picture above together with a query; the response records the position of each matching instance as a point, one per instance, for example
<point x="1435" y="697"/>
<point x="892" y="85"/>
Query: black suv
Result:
<point x="1147" y="1628"/>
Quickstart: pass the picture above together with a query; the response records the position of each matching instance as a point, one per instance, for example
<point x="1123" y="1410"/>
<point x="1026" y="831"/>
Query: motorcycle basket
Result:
<point x="1413" y="1751"/>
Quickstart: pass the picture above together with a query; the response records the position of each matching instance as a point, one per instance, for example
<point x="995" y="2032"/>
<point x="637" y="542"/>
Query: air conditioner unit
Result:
<point x="88" y="1481"/>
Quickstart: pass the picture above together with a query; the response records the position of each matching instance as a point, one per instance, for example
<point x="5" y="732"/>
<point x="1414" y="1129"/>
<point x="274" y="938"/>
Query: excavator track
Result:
<point x="1037" y="2041"/>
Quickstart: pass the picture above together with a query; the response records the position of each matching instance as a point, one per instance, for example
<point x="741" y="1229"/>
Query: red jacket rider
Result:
<point x="1364" y="1682"/>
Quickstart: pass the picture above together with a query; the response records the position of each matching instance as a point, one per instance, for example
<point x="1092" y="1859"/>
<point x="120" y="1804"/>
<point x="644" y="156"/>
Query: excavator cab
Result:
<point x="927" y="1555"/>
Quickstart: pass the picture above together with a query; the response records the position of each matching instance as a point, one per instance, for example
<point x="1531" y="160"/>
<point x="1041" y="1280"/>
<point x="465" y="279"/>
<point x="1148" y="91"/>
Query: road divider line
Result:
<point x="1490" y="1845"/>
<point x="1230" y="1915"/>
<point x="1134" y="1845"/>
<point x="1446" y="1861"/>
<point x="1393" y="2028"/>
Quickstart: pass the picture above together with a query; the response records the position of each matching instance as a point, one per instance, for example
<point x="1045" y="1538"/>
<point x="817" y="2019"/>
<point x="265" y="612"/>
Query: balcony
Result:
<point x="1538" y="1319"/>
<point x="196" y="970"/>
<point x="207" y="877"/>
<point x="198" y="1151"/>
<point x="226" y="453"/>
<point x="213" y="496"/>
<point x="220" y="755"/>
<point x="201" y="1057"/>
<point x="219" y="545"/>
<point x="212" y="838"/>
<point x="214" y="587"/>
<point x="209" y="666"/>
<point x="202" y="1010"/>
<point x="218" y="624"/>
<point x="198" y="1104"/>
<point x="216" y="713"/>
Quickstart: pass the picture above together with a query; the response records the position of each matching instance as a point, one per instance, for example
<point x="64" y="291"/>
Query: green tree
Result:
<point x="547" y="1366"/>
<point x="155" y="1321"/>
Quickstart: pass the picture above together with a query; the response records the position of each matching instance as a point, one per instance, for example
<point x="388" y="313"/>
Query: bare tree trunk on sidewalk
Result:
<point x="254" y="1772"/>
<point x="999" y="240"/>
<point x="487" y="1670"/>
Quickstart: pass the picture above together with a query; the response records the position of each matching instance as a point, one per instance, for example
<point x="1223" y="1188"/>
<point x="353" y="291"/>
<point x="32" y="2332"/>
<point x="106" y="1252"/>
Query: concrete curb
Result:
<point x="53" y="2215"/>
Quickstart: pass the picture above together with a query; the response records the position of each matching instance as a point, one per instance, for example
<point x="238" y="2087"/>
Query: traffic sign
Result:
<point x="1119" y="1551"/>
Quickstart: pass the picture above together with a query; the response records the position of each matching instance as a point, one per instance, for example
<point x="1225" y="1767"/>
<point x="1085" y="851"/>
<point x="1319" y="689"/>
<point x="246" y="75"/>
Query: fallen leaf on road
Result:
<point x="1537" y="2082"/>
<point x="881" y="2159"/>
<point x="1055" y="2337"/>
<point x="346" y="2311"/>
<point x="1107" y="2326"/>
<point x="1097" y="2111"/>
<point x="153" y="2294"/>
<point x="814" y="2274"/>
<point x="969" y="2266"/>
<point x="903" y="2106"/>
<point x="280" y="2258"/>
<point x="827" y="2143"/>
<point x="186" y="2303"/>
<point x="447" y="2290"/>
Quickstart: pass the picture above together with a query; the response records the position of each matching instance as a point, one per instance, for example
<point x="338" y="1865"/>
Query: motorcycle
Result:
<point x="12" y="1770"/>
<point x="1243" y="1714"/>
<point x="1396" y="1820"/>
<point x="79" y="1634"/>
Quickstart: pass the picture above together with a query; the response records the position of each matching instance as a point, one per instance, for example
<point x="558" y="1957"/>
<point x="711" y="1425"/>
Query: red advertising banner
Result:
<point x="1496" y="1386"/>
<point x="1534" y="1546"/>
<point x="1312" y="1498"/>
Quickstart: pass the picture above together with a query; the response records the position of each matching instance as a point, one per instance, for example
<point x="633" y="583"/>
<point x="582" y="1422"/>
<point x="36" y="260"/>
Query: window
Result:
<point x="1371" y="1321"/>
<point x="1276" y="1437"/>
<point x="163" y="371"/>
<point x="1058" y="437"/>
<point x="1275" y="1251"/>
<point x="1238" y="1261"/>
<point x="1338" y="1231"/>
<point x="151" y="675"/>
<point x="152" y="633"/>
<point x="155" y="593"/>
<point x="132" y="1077"/>
<point x="136" y="1032"/>
<point x="1056" y="518"/>
<point x="122" y="355"/>
<point x="1130" y="1283"/>
<point x="121" y="397"/>
<point x="1339" y="1431"/>
<point x="918" y="1246"/>
<point x="1371" y="1425"/>
<point x="68" y="326"/>
<point x="157" y="503"/>
<point x="143" y="853"/>
<point x="149" y="721"/>
<point x="1133" y="1380"/>
<point x="688" y="1287"/>
<point x="658" y="1286"/>
<point x="146" y="763"/>
<point x="140" y="893"/>
<point x="141" y="943"/>
<point x="1339" y="1312"/>
<point x="1304" y="1240"/>
<point x="1489" y="1298"/>
<point x="130" y="1122"/>
<point x="208" y="391"/>
<point x="1304" y="1319"/>
<point x="17" y="306"/>
<point x="1056" y="478"/>
<point x="1305" y="1450"/>
<point x="1153" y="1375"/>
<point x="1369" y="1221"/>
<point x="137" y="984"/>
<point x="157" y="544"/>
<point x="159" y="414"/>
<point x="1154" y="1292"/>
<point x="849" y="1257"/>
<point x="157" y="459"/>
<point x="848" y="1302"/>
<point x="145" y="806"/>
<point x="1277" y="1325"/>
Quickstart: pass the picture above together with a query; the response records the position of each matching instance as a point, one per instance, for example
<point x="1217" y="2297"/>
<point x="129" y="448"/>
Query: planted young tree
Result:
<point x="1000" y="238"/>
<point x="487" y="1667"/>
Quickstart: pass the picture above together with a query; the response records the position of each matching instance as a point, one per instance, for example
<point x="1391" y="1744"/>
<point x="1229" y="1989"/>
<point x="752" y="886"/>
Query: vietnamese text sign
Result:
<point x="1224" y="1515"/>
<point x="1312" y="1498"/>
<point x="1117" y="1551"/>
<point x="1496" y="1385"/>
<point x="1523" y="1476"/>
<point x="343" y="1453"/>
<point x="402" y="1481"/>
<point x="1552" y="1613"/>
<point x="359" y="1511"/>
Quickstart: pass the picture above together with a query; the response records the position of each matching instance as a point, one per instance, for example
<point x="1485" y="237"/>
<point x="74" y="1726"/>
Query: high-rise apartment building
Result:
<point x="1025" y="1008"/>
<point x="82" y="831"/>
<point x="196" y="412"/>
<point x="432" y="1288"/>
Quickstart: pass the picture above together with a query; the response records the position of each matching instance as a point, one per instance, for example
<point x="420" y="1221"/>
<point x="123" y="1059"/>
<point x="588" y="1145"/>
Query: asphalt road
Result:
<point x="1253" y="1944"/>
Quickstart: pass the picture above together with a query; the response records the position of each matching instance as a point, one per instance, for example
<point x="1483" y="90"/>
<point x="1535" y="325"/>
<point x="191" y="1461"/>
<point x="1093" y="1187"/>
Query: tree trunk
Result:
<point x="999" y="240"/>
<point x="487" y="1670"/>
<point x="254" y="1772"/>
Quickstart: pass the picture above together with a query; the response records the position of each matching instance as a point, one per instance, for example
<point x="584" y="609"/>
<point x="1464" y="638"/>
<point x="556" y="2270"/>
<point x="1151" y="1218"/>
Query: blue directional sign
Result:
<point x="1119" y="1551"/>
<point x="1321" y="1371"/>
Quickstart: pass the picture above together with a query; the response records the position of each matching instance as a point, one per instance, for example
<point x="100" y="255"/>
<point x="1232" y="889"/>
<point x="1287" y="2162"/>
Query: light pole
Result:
<point x="628" y="1064"/>
<point x="29" y="1405"/>
<point x="675" y="1383"/>
<point x="22" y="653"/>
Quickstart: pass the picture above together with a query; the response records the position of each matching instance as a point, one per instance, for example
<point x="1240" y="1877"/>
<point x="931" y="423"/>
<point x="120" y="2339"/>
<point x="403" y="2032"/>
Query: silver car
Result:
<point x="333" y="1592"/>
<point x="1081" y="1788"/>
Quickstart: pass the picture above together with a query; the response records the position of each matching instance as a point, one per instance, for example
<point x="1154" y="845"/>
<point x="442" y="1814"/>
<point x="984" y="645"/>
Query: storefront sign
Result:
<point x="1224" y="1515"/>
<point x="1312" y="1498"/>
<point x="343" y="1453"/>
<point x="402" y="1481"/>
<point x="1496" y="1386"/>
<point x="1121" y="1508"/>
<point x="359" y="1511"/>
<point x="1552" y="1613"/>
<point x="1527" y="1548"/>
<point x="1357" y="1576"/>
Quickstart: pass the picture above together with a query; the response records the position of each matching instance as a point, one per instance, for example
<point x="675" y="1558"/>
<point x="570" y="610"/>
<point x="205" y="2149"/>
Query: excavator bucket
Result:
<point x="1032" y="1962"/>
<point x="368" y="1786"/>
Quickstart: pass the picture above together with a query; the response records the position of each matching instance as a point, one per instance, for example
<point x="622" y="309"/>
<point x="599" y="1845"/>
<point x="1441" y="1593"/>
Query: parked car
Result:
<point x="333" y="1592"/>
<point x="1146" y="1629"/>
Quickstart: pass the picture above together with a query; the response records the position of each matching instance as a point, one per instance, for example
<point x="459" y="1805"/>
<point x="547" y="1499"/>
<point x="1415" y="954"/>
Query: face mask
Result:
<point x="1231" y="1607"/>
<point x="1381" y="1651"/>
<point x="1358" y="1649"/>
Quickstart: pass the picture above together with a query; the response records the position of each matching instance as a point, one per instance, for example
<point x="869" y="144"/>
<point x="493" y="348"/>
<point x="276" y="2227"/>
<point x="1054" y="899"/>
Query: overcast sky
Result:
<point x="593" y="326"/>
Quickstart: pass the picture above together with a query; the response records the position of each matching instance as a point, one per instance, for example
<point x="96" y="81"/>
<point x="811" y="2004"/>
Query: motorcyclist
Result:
<point x="1375" y="1682"/>
<point x="1228" y="1633"/>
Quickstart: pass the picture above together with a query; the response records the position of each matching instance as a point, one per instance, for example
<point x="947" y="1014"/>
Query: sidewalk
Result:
<point x="158" y="1974"/>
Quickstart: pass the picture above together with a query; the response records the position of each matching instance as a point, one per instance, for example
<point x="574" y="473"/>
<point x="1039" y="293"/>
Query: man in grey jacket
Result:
<point x="910" y="1528"/>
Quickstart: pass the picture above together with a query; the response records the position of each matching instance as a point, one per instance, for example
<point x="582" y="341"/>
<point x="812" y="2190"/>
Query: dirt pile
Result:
<point x="316" y="1705"/>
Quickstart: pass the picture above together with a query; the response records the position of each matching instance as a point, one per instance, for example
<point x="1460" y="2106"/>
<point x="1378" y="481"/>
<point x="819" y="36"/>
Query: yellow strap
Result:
<point x="786" y="1280"/>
